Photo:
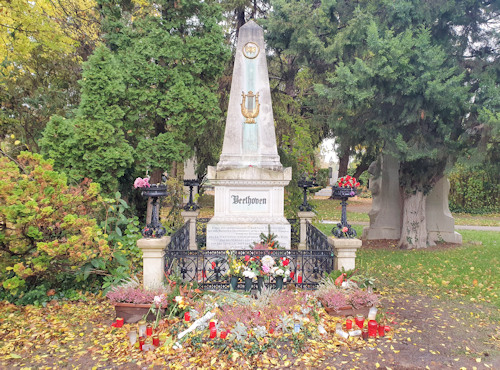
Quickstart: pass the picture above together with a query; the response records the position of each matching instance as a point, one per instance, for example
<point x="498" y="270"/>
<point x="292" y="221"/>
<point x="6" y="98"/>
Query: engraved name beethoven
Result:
<point x="248" y="200"/>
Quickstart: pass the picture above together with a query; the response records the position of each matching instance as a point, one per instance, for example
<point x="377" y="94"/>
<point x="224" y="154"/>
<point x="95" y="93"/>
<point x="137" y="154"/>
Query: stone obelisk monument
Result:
<point x="249" y="179"/>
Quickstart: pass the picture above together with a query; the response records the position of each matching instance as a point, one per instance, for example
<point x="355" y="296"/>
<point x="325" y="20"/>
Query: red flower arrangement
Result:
<point x="348" y="182"/>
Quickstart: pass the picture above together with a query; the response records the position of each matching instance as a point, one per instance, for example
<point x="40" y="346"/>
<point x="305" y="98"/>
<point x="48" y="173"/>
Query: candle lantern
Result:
<point x="223" y="334"/>
<point x="299" y="279"/>
<point x="381" y="330"/>
<point x="156" y="340"/>
<point x="213" y="333"/>
<point x="187" y="317"/>
<point x="142" y="328"/>
<point x="119" y="322"/>
<point x="132" y="337"/>
<point x="360" y="320"/>
<point x="364" y="333"/>
<point x="348" y="323"/>
<point x="142" y="341"/>
<point x="149" y="330"/>
<point x="372" y="314"/>
<point x="372" y="328"/>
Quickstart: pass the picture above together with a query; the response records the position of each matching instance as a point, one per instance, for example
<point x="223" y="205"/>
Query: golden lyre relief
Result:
<point x="251" y="50"/>
<point x="250" y="106"/>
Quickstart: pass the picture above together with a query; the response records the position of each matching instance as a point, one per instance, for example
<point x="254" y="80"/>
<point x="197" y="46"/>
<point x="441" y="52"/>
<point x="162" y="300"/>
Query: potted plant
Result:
<point x="281" y="271"/>
<point x="133" y="302"/>
<point x="251" y="271"/>
<point x="346" y="300"/>
<point x="235" y="269"/>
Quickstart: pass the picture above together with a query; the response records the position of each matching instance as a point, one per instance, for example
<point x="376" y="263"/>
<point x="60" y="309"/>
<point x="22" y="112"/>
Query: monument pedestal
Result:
<point x="191" y="216"/>
<point x="304" y="218"/>
<point x="153" y="250"/>
<point x="345" y="252"/>
<point x="248" y="201"/>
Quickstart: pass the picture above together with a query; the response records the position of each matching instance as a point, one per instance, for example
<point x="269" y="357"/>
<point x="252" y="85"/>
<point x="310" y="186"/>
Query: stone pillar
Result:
<point x="345" y="252"/>
<point x="153" y="261"/>
<point x="440" y="222"/>
<point x="304" y="218"/>
<point x="191" y="216"/>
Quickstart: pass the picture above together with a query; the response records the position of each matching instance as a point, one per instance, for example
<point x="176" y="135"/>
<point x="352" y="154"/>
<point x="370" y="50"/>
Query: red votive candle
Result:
<point x="381" y="330"/>
<point x="213" y="333"/>
<point x="142" y="340"/>
<point x="211" y="325"/>
<point x="119" y="322"/>
<point x="372" y="328"/>
<point x="271" y="330"/>
<point x="149" y="330"/>
<point x="359" y="320"/>
<point x="299" y="279"/>
<point x="223" y="335"/>
<point x="348" y="324"/>
<point x="187" y="317"/>
<point x="156" y="340"/>
<point x="292" y="274"/>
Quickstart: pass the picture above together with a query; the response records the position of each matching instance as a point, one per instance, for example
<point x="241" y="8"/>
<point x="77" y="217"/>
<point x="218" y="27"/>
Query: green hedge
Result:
<point x="474" y="190"/>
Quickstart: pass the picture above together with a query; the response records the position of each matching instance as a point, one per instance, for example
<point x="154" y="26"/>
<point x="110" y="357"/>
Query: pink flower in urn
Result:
<point x="141" y="182"/>
<point x="265" y="268"/>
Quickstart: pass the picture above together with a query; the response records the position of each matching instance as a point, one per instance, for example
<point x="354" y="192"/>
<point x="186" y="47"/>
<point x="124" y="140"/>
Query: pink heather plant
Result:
<point x="361" y="298"/>
<point x="335" y="299"/>
<point x="134" y="295"/>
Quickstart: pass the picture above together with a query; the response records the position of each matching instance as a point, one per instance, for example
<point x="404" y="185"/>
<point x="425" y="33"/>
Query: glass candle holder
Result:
<point x="381" y="330"/>
<point x="187" y="317"/>
<point x="372" y="314"/>
<point x="213" y="333"/>
<point x="156" y="340"/>
<point x="132" y="337"/>
<point x="149" y="330"/>
<point x="348" y="323"/>
<point x="119" y="322"/>
<point x="372" y="328"/>
<point x="360" y="320"/>
<point x="142" y="328"/>
<point x="364" y="333"/>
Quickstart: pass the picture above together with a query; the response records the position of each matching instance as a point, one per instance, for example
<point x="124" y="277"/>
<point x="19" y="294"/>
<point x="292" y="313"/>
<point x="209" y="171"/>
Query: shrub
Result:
<point x="47" y="229"/>
<point x="474" y="189"/>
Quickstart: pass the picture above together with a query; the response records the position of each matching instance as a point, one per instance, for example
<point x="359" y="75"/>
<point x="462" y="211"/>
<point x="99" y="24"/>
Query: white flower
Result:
<point x="249" y="274"/>
<point x="157" y="300"/>
<point x="268" y="261"/>
<point x="179" y="299"/>
<point x="280" y="272"/>
<point x="287" y="272"/>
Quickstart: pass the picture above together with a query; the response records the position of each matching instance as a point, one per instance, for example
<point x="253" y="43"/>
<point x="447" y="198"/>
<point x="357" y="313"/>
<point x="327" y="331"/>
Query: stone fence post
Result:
<point x="153" y="261"/>
<point x="191" y="216"/>
<point x="345" y="252"/>
<point x="304" y="218"/>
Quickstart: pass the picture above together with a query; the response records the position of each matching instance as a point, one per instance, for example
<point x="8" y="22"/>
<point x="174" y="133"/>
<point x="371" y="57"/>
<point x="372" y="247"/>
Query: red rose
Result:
<point x="348" y="177"/>
<point x="357" y="184"/>
<point x="286" y="262"/>
<point x="213" y="265"/>
<point x="247" y="257"/>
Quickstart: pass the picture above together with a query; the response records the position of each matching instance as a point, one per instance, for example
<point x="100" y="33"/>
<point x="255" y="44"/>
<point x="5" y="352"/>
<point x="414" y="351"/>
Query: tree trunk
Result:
<point x="344" y="162"/>
<point x="414" y="227"/>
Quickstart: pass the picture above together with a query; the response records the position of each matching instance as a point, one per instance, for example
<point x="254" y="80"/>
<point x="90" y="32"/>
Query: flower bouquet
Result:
<point x="281" y="271"/>
<point x="235" y="269"/>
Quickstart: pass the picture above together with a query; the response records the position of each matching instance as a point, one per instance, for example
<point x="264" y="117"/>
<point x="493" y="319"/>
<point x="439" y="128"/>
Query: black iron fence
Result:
<point x="180" y="239"/>
<point x="209" y="267"/>
<point x="315" y="239"/>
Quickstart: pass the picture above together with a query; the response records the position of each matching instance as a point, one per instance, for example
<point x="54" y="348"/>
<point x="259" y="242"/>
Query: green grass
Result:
<point x="491" y="219"/>
<point x="329" y="209"/>
<point x="469" y="273"/>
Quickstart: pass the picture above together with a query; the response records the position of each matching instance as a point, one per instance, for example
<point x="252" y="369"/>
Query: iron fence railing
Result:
<point x="209" y="268"/>
<point x="315" y="239"/>
<point x="180" y="239"/>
